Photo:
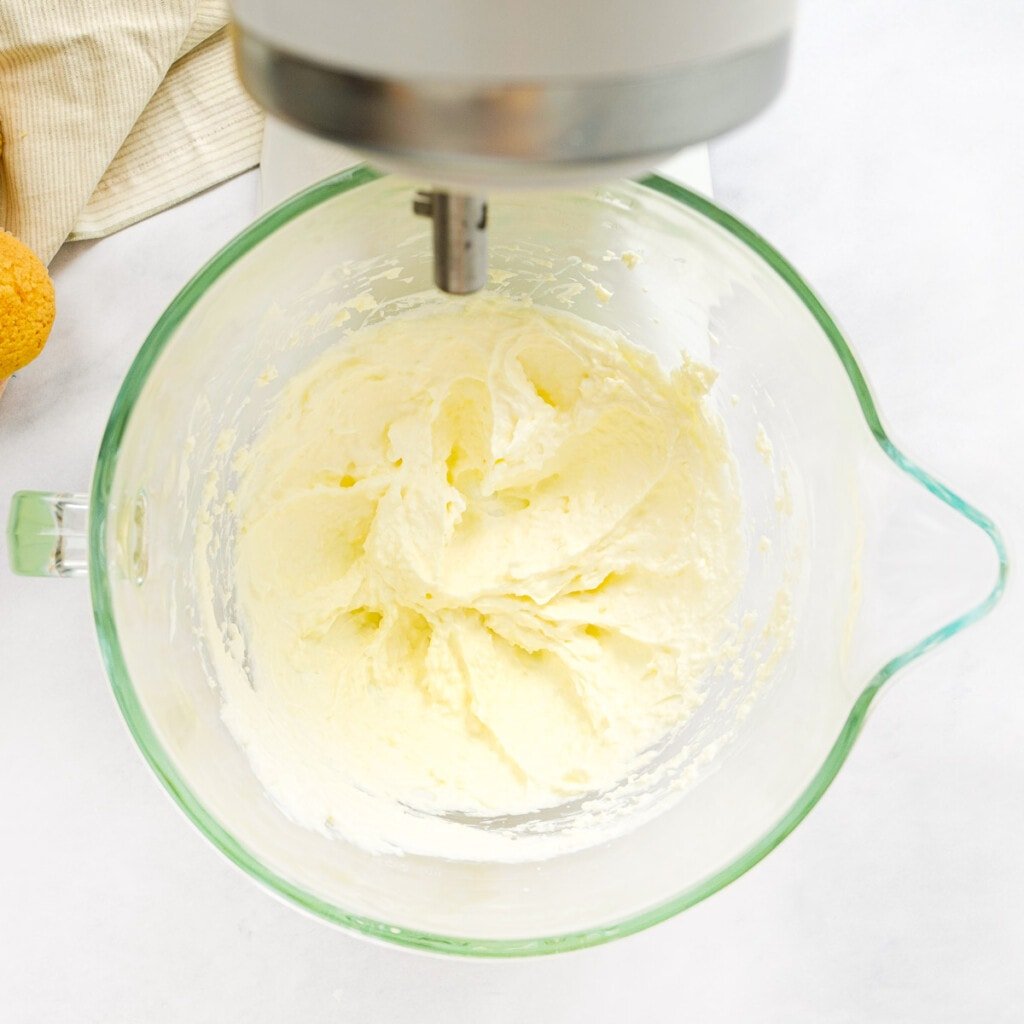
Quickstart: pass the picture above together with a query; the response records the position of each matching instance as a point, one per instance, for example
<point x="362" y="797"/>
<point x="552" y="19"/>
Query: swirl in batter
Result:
<point x="487" y="554"/>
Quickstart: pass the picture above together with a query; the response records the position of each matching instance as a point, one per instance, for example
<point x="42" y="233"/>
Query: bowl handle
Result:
<point x="47" y="534"/>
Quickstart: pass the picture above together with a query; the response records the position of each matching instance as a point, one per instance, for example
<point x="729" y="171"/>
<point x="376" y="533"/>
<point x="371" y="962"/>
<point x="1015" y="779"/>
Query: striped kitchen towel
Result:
<point x="113" y="110"/>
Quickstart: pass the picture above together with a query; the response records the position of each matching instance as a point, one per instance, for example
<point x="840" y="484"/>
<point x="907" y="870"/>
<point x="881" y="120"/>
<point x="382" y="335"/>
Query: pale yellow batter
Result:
<point x="487" y="552"/>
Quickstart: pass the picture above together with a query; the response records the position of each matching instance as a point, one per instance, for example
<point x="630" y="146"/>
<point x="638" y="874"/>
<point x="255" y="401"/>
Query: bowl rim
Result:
<point x="163" y="765"/>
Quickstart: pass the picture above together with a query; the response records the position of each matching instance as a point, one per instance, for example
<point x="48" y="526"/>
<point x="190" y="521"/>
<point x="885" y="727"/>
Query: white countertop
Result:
<point x="890" y="173"/>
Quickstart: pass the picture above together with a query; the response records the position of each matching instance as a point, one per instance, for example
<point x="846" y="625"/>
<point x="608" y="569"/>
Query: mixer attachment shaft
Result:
<point x="460" y="239"/>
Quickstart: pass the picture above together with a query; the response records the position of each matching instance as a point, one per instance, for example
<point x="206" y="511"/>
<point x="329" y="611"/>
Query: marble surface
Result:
<point x="890" y="174"/>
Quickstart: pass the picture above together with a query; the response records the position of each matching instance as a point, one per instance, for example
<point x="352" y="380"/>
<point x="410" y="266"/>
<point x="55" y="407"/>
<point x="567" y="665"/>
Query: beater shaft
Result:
<point x="460" y="239"/>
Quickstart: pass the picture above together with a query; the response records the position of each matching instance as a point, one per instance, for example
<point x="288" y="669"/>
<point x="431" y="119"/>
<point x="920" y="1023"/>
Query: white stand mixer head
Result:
<point x="474" y="96"/>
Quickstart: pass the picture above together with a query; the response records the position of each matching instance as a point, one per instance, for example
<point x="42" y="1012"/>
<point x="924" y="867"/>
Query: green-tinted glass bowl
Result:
<point x="886" y="562"/>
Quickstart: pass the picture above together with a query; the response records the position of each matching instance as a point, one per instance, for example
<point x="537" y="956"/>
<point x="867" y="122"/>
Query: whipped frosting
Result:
<point x="486" y="557"/>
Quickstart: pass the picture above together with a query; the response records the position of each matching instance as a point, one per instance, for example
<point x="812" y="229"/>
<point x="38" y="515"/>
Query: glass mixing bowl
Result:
<point x="858" y="561"/>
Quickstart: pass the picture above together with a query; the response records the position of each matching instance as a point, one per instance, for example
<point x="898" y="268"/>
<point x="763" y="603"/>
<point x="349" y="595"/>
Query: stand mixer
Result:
<point x="475" y="97"/>
<point x="858" y="560"/>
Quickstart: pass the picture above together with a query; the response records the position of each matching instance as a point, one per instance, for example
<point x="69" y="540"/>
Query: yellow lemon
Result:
<point x="26" y="305"/>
